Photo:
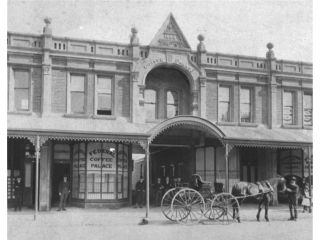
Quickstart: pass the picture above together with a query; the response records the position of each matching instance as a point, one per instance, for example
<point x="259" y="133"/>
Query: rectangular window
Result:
<point x="288" y="109"/>
<point x="172" y="104"/>
<point x="245" y="105"/>
<point x="150" y="97"/>
<point x="104" y="93"/>
<point x="307" y="109"/>
<point x="21" y="90"/>
<point x="224" y="104"/>
<point x="77" y="93"/>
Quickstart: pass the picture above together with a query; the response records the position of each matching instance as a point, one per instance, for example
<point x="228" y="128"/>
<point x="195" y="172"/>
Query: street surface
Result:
<point x="108" y="224"/>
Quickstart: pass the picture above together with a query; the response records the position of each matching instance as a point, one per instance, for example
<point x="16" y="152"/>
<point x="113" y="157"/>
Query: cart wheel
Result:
<point x="166" y="204"/>
<point x="188" y="206"/>
<point x="207" y="211"/>
<point x="225" y="207"/>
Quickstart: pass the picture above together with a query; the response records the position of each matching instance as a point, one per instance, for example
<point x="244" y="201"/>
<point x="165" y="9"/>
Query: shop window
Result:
<point x="21" y="90"/>
<point x="104" y="95"/>
<point x="77" y="93"/>
<point x="307" y="109"/>
<point x="172" y="104"/>
<point x="78" y="171"/>
<point x="122" y="171"/>
<point x="224" y="104"/>
<point x="288" y="108"/>
<point x="150" y="103"/>
<point x="245" y="105"/>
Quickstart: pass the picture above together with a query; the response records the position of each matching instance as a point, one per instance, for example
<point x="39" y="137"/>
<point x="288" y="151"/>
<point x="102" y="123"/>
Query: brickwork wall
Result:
<point x="212" y="101"/>
<point x="37" y="88"/>
<point x="90" y="93"/>
<point x="279" y="106"/>
<point x="122" y="95"/>
<point x="59" y="91"/>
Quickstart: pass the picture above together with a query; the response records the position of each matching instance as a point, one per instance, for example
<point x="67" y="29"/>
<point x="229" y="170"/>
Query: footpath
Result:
<point x="108" y="224"/>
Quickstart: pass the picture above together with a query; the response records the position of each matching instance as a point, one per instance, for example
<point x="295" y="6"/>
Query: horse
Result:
<point x="262" y="191"/>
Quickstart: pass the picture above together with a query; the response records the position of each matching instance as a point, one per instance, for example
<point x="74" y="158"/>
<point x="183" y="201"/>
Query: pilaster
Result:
<point x="46" y="68"/>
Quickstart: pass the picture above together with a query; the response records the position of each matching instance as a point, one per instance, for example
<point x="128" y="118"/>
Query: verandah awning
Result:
<point x="265" y="137"/>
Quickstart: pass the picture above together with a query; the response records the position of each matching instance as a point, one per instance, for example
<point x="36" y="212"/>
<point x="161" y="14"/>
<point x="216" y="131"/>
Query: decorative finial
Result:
<point x="134" y="40"/>
<point x="47" y="28"/>
<point x="134" y="30"/>
<point x="201" y="47"/>
<point x="200" y="37"/>
<point x="47" y="20"/>
<point x="270" y="53"/>
<point x="270" y="45"/>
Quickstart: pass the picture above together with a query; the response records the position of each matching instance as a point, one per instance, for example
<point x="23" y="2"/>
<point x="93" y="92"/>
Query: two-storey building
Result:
<point x="84" y="107"/>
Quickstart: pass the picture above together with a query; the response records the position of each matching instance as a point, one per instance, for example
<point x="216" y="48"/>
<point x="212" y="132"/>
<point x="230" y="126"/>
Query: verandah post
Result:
<point x="37" y="177"/>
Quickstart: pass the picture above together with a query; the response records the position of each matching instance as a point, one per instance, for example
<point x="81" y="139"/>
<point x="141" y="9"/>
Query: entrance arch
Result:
<point x="193" y="121"/>
<point x="182" y="146"/>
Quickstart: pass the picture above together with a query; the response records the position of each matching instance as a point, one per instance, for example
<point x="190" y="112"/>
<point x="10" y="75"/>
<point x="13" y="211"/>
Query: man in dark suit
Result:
<point x="64" y="190"/>
<point x="18" y="193"/>
<point x="292" y="191"/>
<point x="140" y="192"/>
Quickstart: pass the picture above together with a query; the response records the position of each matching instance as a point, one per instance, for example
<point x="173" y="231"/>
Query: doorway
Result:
<point x="248" y="164"/>
<point x="59" y="171"/>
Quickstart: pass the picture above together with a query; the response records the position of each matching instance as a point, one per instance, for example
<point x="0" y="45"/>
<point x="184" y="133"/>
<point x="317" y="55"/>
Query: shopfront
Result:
<point x="100" y="173"/>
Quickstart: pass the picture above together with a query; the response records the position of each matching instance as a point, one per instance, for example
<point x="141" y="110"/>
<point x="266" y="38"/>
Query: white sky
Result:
<point x="234" y="27"/>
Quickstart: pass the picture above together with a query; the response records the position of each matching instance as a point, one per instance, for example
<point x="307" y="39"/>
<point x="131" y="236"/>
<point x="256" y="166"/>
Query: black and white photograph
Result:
<point x="149" y="119"/>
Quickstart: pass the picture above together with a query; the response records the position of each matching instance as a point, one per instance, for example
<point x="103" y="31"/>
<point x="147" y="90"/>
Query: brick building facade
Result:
<point x="83" y="107"/>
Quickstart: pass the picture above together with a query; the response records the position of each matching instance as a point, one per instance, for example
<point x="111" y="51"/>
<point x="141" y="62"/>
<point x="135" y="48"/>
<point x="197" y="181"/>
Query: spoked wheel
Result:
<point x="225" y="207"/>
<point x="188" y="206"/>
<point x="207" y="211"/>
<point x="166" y="203"/>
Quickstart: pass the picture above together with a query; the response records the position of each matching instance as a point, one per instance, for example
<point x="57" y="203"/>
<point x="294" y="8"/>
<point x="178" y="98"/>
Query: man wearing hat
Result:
<point x="18" y="193"/>
<point x="64" y="189"/>
<point x="292" y="190"/>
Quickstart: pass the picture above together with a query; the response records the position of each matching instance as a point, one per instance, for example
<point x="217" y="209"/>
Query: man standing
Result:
<point x="140" y="190"/>
<point x="64" y="189"/>
<point x="158" y="189"/>
<point x="292" y="190"/>
<point x="18" y="193"/>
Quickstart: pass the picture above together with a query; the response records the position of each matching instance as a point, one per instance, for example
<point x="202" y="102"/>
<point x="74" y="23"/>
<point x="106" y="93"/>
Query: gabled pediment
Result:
<point x="170" y="35"/>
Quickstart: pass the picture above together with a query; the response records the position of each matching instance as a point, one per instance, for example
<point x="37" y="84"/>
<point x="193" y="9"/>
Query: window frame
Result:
<point x="310" y="94"/>
<point x="85" y="90"/>
<point x="294" y="107"/>
<point x="251" y="94"/>
<point x="156" y="103"/>
<point x="96" y="92"/>
<point x="166" y="101"/>
<point x="11" y="90"/>
<point x="230" y="115"/>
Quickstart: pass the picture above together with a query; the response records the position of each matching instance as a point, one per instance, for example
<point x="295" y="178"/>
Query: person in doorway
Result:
<point x="140" y="192"/>
<point x="158" y="190"/>
<point x="306" y="199"/>
<point x="18" y="193"/>
<point x="167" y="184"/>
<point x="292" y="190"/>
<point x="64" y="190"/>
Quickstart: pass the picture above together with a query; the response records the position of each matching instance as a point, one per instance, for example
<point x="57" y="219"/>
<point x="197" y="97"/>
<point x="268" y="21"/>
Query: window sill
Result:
<point x="292" y="126"/>
<point x="106" y="117"/>
<point x="308" y="127"/>
<point x="27" y="113"/>
<point x="74" y="115"/>
<point x="248" y="124"/>
<point x="227" y="123"/>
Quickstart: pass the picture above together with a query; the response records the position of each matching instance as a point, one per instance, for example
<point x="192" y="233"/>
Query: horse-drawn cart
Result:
<point x="198" y="202"/>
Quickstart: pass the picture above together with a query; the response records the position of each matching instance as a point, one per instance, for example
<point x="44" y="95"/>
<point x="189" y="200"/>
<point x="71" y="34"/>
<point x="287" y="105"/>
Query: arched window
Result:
<point x="150" y="103"/>
<point x="172" y="104"/>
